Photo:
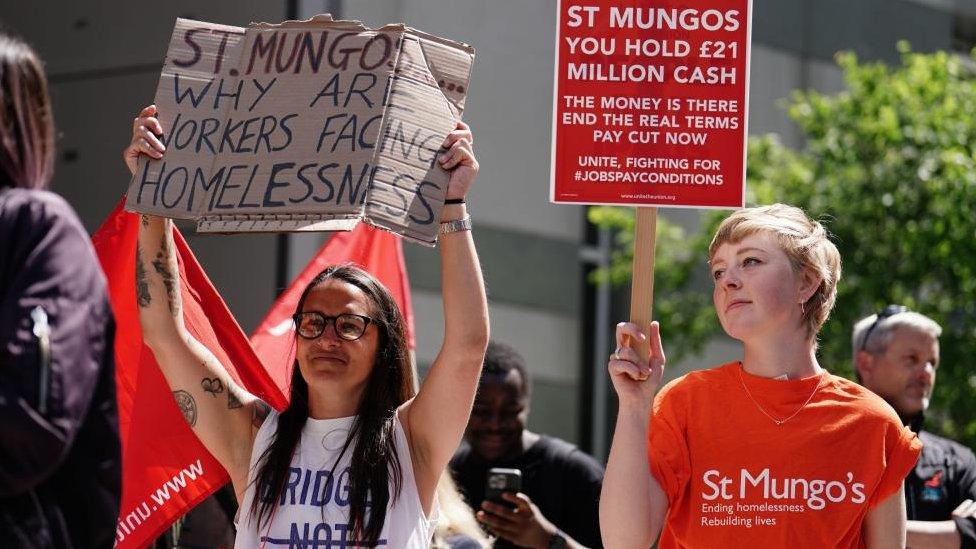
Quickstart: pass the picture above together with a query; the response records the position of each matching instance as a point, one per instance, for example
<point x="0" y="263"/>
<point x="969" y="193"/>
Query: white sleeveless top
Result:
<point x="314" y="508"/>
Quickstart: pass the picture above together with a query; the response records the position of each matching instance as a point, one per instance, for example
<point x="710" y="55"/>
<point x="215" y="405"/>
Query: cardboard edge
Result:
<point x="456" y="110"/>
<point x="326" y="20"/>
<point x="130" y="206"/>
<point x="276" y="224"/>
<point x="429" y="244"/>
<point x="450" y="107"/>
<point x="467" y="48"/>
<point x="221" y="26"/>
<point x="319" y="19"/>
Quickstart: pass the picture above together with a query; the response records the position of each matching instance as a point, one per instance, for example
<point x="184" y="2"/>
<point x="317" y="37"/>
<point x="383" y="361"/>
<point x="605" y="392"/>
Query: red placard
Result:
<point x="650" y="105"/>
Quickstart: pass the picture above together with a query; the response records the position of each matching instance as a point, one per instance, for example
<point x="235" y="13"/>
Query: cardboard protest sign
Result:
<point x="304" y="125"/>
<point x="650" y="103"/>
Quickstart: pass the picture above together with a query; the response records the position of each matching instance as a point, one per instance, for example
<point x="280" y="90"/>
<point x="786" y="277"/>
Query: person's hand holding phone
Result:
<point x="517" y="520"/>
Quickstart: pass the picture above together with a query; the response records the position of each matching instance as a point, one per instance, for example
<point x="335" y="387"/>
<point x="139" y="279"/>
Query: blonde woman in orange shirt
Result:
<point x="769" y="451"/>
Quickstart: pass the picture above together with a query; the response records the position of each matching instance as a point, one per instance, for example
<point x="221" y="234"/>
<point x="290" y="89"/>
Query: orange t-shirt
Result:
<point x="736" y="479"/>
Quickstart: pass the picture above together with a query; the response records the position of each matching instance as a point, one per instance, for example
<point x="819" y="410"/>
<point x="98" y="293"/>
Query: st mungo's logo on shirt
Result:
<point x="932" y="489"/>
<point x="817" y="493"/>
<point x="759" y="498"/>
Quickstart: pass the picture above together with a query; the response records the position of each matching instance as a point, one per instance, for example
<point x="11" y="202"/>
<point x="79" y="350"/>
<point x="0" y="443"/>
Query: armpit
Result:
<point x="259" y="413"/>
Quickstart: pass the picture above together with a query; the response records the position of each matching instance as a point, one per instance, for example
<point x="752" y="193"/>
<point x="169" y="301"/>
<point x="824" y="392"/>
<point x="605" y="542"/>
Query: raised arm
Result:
<point x="632" y="503"/>
<point x="221" y="413"/>
<point x="436" y="418"/>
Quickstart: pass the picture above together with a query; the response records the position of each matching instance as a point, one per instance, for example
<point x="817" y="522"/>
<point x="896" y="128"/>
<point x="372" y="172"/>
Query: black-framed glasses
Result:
<point x="888" y="311"/>
<point x="347" y="326"/>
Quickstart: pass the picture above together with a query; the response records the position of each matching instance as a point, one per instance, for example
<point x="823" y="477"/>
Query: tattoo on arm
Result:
<point x="212" y="386"/>
<point x="161" y="265"/>
<point x="187" y="405"/>
<point x="232" y="401"/>
<point x="142" y="285"/>
<point x="261" y="411"/>
<point x="145" y="220"/>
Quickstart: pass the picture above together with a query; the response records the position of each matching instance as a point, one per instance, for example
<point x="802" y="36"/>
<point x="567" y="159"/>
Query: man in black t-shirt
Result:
<point x="896" y="355"/>
<point x="558" y="504"/>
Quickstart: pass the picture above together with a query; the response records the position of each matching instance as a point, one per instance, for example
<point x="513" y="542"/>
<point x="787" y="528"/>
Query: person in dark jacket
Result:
<point x="60" y="457"/>
<point x="557" y="505"/>
<point x="896" y="355"/>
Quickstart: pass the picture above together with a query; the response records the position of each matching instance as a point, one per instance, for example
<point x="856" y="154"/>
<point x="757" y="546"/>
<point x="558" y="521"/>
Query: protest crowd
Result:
<point x="318" y="431"/>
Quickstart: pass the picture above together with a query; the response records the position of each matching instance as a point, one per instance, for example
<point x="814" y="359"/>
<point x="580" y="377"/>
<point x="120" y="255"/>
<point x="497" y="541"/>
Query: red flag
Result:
<point x="378" y="252"/>
<point x="165" y="468"/>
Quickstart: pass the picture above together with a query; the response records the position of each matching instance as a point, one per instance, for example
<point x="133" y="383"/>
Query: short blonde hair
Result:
<point x="805" y="243"/>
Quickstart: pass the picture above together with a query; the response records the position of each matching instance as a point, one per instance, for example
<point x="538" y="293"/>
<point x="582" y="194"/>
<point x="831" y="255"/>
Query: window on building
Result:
<point x="964" y="31"/>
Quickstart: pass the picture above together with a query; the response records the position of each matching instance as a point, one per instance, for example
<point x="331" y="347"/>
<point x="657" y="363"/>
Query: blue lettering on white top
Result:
<point x="313" y="509"/>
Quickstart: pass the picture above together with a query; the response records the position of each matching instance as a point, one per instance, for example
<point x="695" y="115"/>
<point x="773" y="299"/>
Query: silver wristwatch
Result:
<point x="456" y="226"/>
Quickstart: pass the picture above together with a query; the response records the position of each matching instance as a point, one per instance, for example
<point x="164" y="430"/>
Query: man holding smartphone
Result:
<point x="557" y="505"/>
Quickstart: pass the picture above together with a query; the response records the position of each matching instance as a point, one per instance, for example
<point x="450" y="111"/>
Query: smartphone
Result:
<point x="502" y="480"/>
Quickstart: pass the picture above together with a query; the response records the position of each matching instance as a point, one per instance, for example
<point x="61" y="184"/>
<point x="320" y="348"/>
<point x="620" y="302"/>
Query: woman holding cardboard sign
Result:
<point x="356" y="457"/>
<point x="770" y="451"/>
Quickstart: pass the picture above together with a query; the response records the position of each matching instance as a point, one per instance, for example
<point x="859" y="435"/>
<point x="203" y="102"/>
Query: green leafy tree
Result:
<point x="889" y="165"/>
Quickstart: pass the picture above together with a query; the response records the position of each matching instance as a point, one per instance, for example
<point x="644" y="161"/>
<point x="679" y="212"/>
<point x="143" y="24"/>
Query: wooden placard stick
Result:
<point x="642" y="276"/>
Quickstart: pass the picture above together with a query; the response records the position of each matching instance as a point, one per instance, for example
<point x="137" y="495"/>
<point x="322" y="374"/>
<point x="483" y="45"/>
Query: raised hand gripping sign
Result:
<point x="304" y="125"/>
<point x="650" y="104"/>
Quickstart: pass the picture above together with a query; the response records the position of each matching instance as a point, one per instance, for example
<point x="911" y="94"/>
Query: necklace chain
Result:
<point x="767" y="414"/>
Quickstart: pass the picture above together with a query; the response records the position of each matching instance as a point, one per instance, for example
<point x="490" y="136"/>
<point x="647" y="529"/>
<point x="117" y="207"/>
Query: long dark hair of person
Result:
<point x="26" y="120"/>
<point x="374" y="457"/>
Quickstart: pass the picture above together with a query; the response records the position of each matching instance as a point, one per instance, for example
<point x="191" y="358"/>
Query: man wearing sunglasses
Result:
<point x="896" y="355"/>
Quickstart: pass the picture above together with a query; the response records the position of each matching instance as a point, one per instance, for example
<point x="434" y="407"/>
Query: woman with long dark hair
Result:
<point x="60" y="470"/>
<point x="356" y="457"/>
